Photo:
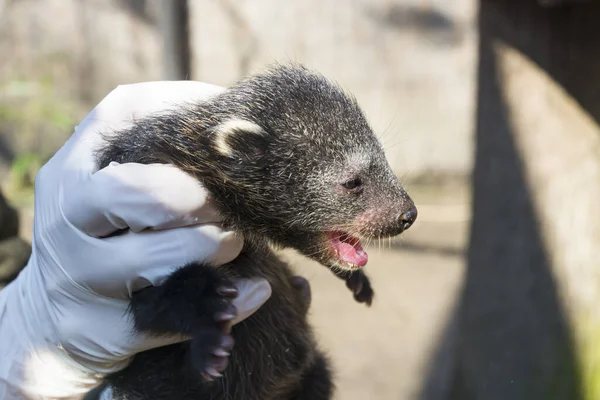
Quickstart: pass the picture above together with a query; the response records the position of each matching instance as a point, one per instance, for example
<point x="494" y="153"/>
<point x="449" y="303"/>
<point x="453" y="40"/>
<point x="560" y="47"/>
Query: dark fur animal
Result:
<point x="290" y="161"/>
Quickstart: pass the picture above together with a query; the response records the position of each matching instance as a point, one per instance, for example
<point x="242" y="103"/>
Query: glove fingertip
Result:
<point x="230" y="247"/>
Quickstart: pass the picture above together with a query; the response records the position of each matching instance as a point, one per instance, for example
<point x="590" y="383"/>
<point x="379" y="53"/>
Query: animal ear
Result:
<point x="239" y="137"/>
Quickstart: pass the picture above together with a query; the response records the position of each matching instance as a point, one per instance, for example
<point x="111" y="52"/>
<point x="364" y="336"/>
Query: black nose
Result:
<point x="408" y="218"/>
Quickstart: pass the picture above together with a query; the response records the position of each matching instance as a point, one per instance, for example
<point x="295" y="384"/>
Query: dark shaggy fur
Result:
<point x="290" y="161"/>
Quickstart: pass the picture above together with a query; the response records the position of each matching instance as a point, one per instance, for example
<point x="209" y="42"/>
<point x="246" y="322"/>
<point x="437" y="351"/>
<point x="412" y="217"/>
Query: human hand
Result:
<point x="64" y="321"/>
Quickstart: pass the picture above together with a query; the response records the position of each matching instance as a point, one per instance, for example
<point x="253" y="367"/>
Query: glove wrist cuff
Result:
<point x="51" y="373"/>
<point x="33" y="365"/>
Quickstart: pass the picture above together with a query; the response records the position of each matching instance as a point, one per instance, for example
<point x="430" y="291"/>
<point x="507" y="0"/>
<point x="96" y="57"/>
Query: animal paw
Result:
<point x="360" y="286"/>
<point x="212" y="341"/>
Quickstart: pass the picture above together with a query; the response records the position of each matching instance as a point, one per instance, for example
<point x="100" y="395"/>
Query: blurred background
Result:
<point x="489" y="111"/>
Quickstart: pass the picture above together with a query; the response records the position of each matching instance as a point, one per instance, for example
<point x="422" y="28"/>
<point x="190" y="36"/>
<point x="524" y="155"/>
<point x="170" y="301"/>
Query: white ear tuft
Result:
<point x="233" y="127"/>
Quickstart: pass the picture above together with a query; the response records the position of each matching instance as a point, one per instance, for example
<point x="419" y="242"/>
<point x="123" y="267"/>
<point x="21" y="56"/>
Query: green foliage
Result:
<point x="590" y="358"/>
<point x="34" y="104"/>
<point x="24" y="168"/>
<point x="37" y="119"/>
<point x="19" y="187"/>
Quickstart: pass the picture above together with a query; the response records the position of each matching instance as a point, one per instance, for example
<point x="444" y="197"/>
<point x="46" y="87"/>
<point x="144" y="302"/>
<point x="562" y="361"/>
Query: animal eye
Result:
<point x="353" y="184"/>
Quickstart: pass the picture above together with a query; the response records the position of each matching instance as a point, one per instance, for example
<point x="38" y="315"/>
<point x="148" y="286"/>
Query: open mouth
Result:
<point x="348" y="249"/>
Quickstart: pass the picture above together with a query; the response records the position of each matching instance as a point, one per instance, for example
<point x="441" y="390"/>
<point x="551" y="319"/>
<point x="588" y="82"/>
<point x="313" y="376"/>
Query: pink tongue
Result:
<point x="352" y="253"/>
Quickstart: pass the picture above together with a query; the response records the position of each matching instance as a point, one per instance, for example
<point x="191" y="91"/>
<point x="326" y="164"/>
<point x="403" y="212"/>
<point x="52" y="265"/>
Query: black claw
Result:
<point x="219" y="352"/>
<point x="220" y="363"/>
<point x="229" y="292"/>
<point x="206" y="298"/>
<point x="365" y="295"/>
<point x="211" y="373"/>
<point x="227" y="342"/>
<point x="216" y="359"/>
<point x="366" y="298"/>
<point x="358" y="286"/>
<point x="227" y="315"/>
<point x="224" y="316"/>
<point x="361" y="289"/>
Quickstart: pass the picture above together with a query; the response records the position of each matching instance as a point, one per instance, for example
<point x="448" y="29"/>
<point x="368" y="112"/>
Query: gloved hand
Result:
<point x="63" y="321"/>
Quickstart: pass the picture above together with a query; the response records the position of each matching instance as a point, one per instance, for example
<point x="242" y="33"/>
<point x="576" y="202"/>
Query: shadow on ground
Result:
<point x="509" y="335"/>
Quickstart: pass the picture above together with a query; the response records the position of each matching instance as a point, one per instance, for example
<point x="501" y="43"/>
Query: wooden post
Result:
<point x="176" y="42"/>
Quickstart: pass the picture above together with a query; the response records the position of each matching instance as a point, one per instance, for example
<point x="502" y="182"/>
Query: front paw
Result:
<point x="360" y="286"/>
<point x="211" y="345"/>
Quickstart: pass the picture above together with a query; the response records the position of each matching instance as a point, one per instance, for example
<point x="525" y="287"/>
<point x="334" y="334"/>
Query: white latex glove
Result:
<point x="63" y="321"/>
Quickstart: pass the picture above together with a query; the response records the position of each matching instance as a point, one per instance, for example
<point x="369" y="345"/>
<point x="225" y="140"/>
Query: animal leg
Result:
<point x="194" y="301"/>
<point x="359" y="284"/>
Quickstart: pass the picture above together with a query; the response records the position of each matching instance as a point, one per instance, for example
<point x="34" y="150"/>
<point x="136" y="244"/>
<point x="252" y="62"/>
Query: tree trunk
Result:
<point x="176" y="42"/>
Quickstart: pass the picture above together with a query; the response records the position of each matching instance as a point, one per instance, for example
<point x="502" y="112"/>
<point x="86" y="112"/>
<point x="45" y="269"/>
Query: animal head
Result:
<point x="305" y="168"/>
